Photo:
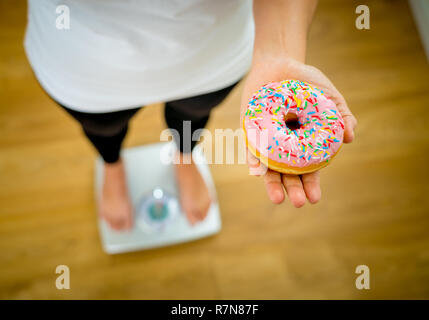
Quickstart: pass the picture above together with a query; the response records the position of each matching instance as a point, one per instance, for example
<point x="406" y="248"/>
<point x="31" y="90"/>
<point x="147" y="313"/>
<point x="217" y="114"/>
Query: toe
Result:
<point x="191" y="217"/>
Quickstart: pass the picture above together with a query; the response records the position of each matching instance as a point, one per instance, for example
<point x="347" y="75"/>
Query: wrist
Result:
<point x="283" y="44"/>
<point x="272" y="67"/>
<point x="281" y="54"/>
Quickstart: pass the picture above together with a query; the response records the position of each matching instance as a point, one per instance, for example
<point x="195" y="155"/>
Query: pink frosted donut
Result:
<point x="293" y="127"/>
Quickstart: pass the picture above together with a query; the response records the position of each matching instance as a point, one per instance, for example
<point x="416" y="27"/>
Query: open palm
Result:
<point x="298" y="187"/>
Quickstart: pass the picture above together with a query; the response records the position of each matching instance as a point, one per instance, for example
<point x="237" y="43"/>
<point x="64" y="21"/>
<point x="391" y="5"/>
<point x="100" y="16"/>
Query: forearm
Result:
<point x="281" y="28"/>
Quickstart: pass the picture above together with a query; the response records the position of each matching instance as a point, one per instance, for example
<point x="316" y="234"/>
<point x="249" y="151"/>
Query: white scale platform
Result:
<point x="146" y="172"/>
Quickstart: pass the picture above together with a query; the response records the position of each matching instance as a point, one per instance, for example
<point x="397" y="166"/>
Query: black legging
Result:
<point x="106" y="131"/>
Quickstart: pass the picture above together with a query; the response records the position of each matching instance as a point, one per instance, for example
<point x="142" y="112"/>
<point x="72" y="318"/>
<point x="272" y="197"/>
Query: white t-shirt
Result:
<point x="121" y="54"/>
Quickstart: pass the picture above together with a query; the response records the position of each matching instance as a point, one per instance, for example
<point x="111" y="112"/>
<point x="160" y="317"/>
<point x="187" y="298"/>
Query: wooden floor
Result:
<point x="375" y="207"/>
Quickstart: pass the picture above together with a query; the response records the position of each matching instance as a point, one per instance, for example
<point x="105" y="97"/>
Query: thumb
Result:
<point x="256" y="168"/>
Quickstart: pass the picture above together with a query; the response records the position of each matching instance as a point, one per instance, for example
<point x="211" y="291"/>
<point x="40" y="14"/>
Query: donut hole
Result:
<point x="292" y="122"/>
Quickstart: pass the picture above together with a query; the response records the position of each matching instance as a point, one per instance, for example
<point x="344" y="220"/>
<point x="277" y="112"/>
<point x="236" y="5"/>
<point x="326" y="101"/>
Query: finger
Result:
<point x="273" y="185"/>
<point x="294" y="189"/>
<point x="349" y="125"/>
<point x="320" y="80"/>
<point x="256" y="168"/>
<point x="311" y="183"/>
<point x="350" y="121"/>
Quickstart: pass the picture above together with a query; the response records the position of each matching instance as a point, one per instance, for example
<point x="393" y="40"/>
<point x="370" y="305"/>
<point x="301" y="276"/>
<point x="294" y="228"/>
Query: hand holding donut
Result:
<point x="303" y="148"/>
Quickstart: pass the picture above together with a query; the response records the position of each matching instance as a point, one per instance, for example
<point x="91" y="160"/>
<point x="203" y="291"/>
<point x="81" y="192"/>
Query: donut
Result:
<point x="293" y="127"/>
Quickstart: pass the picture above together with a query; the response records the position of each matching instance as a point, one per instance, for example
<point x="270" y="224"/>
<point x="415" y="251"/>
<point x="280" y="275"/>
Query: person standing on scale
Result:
<point x="120" y="55"/>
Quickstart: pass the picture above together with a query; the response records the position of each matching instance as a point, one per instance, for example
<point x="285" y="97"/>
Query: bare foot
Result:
<point x="194" y="195"/>
<point x="114" y="204"/>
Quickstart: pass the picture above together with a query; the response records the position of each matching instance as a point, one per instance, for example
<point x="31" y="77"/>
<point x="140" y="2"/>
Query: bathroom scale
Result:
<point x="158" y="218"/>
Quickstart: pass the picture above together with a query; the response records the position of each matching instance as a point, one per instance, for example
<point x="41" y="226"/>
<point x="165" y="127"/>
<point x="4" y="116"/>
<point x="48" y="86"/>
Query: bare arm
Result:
<point x="281" y="28"/>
